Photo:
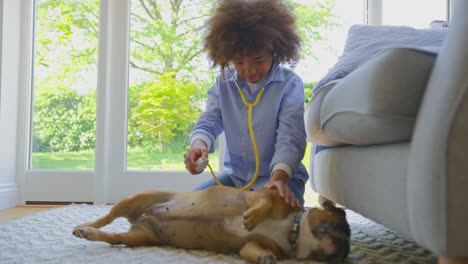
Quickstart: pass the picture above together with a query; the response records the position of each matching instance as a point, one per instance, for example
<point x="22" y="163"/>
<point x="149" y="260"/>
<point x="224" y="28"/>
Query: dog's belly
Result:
<point x="223" y="235"/>
<point x="195" y="232"/>
<point x="210" y="203"/>
<point x="194" y="221"/>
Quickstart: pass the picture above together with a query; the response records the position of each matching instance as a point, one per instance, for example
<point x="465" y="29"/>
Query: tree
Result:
<point x="68" y="125"/>
<point x="166" y="35"/>
<point x="165" y="106"/>
<point x="308" y="87"/>
<point x="312" y="20"/>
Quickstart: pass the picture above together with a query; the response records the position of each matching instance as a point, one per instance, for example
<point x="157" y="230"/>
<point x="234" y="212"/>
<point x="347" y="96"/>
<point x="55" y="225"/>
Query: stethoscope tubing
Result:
<point x="251" y="132"/>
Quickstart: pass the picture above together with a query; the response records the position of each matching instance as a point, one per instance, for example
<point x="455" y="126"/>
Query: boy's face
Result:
<point x="253" y="66"/>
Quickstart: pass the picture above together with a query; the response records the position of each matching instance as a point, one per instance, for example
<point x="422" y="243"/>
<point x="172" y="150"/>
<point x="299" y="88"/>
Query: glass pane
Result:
<point x="64" y="90"/>
<point x="324" y="26"/>
<point x="414" y="13"/>
<point x="169" y="78"/>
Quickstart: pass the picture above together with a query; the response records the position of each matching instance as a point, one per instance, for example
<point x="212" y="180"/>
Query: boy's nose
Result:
<point x="250" y="69"/>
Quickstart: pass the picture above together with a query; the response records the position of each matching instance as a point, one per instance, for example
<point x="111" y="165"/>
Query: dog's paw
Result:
<point x="76" y="231"/>
<point x="267" y="259"/>
<point x="89" y="233"/>
<point x="250" y="220"/>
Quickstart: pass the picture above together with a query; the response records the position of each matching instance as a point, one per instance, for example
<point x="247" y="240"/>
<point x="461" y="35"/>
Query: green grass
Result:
<point x="137" y="160"/>
<point x="83" y="160"/>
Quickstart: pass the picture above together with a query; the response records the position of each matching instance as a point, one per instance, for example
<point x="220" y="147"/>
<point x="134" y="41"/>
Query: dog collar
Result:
<point x="294" y="232"/>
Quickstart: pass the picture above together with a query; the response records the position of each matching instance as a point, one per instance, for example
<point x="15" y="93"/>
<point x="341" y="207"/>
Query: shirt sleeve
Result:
<point x="210" y="122"/>
<point x="291" y="137"/>
<point x="201" y="136"/>
<point x="284" y="167"/>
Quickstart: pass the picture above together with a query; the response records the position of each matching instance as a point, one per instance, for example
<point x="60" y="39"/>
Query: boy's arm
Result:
<point x="291" y="137"/>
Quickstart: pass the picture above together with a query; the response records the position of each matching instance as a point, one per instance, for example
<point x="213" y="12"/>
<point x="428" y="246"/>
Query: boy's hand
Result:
<point x="278" y="181"/>
<point x="199" y="149"/>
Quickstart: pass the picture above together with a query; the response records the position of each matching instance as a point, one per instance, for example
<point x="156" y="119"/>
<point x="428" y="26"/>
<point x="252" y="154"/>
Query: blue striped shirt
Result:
<point x="278" y="123"/>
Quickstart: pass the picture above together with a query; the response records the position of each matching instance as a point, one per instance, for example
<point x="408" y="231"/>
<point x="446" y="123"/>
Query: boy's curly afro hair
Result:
<point x="244" y="26"/>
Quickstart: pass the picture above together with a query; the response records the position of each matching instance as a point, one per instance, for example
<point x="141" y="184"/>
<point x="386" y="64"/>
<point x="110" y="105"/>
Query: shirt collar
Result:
<point x="278" y="76"/>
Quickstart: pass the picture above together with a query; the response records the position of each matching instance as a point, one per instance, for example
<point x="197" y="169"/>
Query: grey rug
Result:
<point x="46" y="237"/>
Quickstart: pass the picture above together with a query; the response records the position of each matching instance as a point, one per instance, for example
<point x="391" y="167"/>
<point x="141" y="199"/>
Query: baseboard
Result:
<point x="55" y="203"/>
<point x="8" y="195"/>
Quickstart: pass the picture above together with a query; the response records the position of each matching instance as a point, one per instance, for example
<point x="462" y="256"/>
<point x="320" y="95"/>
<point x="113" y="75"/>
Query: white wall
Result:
<point x="9" y="68"/>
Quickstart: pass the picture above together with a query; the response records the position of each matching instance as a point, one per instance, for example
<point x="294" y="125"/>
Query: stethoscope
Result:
<point x="203" y="163"/>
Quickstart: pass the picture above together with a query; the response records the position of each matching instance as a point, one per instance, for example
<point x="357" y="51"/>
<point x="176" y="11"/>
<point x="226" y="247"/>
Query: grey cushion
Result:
<point x="377" y="103"/>
<point x="365" y="42"/>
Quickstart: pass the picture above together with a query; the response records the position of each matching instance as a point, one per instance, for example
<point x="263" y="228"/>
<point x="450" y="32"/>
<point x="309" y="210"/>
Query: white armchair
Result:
<point x="411" y="175"/>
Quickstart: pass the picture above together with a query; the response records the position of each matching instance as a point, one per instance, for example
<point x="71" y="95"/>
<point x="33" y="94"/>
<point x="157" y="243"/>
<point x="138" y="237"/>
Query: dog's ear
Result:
<point x="341" y="211"/>
<point x="328" y="205"/>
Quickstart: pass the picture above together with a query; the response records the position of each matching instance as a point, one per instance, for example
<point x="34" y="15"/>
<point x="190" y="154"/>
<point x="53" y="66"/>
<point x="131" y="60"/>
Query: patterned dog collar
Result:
<point x="294" y="232"/>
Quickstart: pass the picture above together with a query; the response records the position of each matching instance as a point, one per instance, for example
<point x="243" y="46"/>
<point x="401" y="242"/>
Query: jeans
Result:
<point x="296" y="185"/>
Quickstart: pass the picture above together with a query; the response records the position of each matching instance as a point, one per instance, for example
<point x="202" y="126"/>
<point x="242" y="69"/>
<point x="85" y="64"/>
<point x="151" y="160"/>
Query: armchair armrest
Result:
<point x="438" y="165"/>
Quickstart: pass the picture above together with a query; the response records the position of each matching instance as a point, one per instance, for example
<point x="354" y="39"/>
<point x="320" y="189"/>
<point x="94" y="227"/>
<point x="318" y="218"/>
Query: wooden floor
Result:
<point x="22" y="210"/>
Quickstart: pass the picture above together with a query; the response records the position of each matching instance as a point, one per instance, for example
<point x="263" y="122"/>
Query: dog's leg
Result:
<point x="254" y="252"/>
<point x="96" y="224"/>
<point x="130" y="208"/>
<point x="259" y="208"/>
<point x="115" y="212"/>
<point x="136" y="236"/>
